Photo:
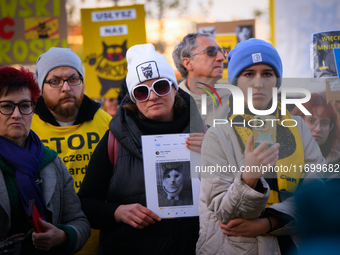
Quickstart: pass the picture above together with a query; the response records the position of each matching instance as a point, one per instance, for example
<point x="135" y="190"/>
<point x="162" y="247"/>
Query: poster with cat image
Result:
<point x="109" y="32"/>
<point x="171" y="191"/>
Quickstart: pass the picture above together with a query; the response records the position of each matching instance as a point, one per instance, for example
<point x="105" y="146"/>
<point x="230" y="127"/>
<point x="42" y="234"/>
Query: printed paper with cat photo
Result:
<point x="174" y="184"/>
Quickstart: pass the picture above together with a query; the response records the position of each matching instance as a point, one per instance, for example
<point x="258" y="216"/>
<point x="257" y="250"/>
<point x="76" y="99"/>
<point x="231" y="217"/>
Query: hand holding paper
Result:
<point x="136" y="215"/>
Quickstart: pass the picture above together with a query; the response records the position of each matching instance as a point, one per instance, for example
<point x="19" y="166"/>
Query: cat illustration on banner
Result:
<point x="172" y="181"/>
<point x="110" y="65"/>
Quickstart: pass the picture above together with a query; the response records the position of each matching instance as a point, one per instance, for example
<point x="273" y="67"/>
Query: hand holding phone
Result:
<point x="34" y="216"/>
<point x="264" y="130"/>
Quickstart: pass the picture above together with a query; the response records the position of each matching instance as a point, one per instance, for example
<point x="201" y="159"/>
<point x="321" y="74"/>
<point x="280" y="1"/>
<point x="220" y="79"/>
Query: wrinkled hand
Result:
<point x="136" y="215"/>
<point x="259" y="157"/>
<point x="245" y="228"/>
<point x="51" y="236"/>
<point x="194" y="142"/>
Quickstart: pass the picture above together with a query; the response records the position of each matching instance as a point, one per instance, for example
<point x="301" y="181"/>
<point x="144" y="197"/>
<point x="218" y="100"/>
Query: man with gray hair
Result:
<point x="199" y="59"/>
<point x="66" y="120"/>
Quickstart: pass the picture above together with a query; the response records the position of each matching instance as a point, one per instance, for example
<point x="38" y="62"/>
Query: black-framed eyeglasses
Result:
<point x="161" y="87"/>
<point x="211" y="52"/>
<point x="58" y="83"/>
<point x="25" y="107"/>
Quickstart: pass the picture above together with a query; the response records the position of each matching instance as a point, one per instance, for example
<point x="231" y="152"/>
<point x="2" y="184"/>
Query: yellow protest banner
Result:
<point x="108" y="33"/>
<point x="228" y="34"/>
<point x="30" y="28"/>
<point x="226" y="42"/>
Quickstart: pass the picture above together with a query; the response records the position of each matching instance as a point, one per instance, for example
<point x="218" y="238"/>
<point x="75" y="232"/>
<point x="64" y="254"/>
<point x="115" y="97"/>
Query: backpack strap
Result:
<point x="112" y="149"/>
<point x="205" y="128"/>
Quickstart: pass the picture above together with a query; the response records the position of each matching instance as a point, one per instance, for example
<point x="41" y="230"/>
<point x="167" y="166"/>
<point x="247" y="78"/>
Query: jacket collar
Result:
<point x="87" y="110"/>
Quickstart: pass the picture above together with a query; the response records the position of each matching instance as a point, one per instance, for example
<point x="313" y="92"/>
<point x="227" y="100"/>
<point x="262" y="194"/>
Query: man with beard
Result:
<point x="65" y="119"/>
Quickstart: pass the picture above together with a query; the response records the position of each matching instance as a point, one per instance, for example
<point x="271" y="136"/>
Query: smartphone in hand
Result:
<point x="264" y="130"/>
<point x="34" y="216"/>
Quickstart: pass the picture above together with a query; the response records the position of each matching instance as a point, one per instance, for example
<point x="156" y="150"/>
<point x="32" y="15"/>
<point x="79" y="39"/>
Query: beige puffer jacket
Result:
<point x="224" y="196"/>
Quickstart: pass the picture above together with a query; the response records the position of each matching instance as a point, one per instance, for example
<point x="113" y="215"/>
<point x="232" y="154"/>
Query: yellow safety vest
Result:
<point x="74" y="144"/>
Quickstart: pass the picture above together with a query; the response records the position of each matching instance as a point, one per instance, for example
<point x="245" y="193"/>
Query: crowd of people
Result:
<point x="61" y="192"/>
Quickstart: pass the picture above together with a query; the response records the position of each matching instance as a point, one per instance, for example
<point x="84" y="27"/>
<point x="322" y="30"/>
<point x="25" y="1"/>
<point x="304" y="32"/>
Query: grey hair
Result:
<point x="184" y="49"/>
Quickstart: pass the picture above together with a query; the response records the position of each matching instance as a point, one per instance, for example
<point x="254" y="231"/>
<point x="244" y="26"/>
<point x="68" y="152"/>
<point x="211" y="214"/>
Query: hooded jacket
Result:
<point x="126" y="186"/>
<point x="224" y="196"/>
<point x="74" y="144"/>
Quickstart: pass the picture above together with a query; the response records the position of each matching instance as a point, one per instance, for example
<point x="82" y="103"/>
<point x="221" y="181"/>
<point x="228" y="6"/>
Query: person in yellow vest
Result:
<point x="65" y="119"/>
<point x="247" y="209"/>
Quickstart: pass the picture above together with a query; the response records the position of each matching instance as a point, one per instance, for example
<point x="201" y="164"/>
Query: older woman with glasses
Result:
<point x="323" y="124"/>
<point x="114" y="200"/>
<point x="29" y="172"/>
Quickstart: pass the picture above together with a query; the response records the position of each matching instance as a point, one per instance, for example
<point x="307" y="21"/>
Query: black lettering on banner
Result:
<point x="78" y="157"/>
<point x="77" y="184"/>
<point x="58" y="144"/>
<point x="70" y="142"/>
<point x="81" y="170"/>
<point x="78" y="170"/>
<point x="84" y="169"/>
<point x="92" y="138"/>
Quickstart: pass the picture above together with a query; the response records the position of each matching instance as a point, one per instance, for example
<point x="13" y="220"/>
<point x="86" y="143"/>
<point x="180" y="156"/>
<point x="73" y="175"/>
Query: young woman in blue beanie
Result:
<point x="246" y="209"/>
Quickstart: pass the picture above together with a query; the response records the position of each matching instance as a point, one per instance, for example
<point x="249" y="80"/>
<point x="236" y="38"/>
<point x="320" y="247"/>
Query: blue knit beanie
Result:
<point x="252" y="52"/>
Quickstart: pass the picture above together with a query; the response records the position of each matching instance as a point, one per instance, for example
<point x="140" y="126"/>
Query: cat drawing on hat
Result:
<point x="147" y="71"/>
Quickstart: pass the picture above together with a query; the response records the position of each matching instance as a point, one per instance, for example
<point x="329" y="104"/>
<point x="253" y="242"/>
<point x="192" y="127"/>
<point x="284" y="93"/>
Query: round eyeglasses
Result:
<point x="58" y="82"/>
<point x="325" y="125"/>
<point x="161" y="87"/>
<point x="25" y="107"/>
<point x="211" y="52"/>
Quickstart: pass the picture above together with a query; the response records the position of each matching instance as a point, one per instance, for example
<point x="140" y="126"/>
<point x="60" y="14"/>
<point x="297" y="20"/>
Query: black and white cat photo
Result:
<point x="172" y="181"/>
<point x="174" y="184"/>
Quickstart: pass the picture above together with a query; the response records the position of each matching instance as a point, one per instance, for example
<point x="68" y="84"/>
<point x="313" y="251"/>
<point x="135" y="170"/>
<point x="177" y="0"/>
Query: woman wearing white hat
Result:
<point x="116" y="203"/>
